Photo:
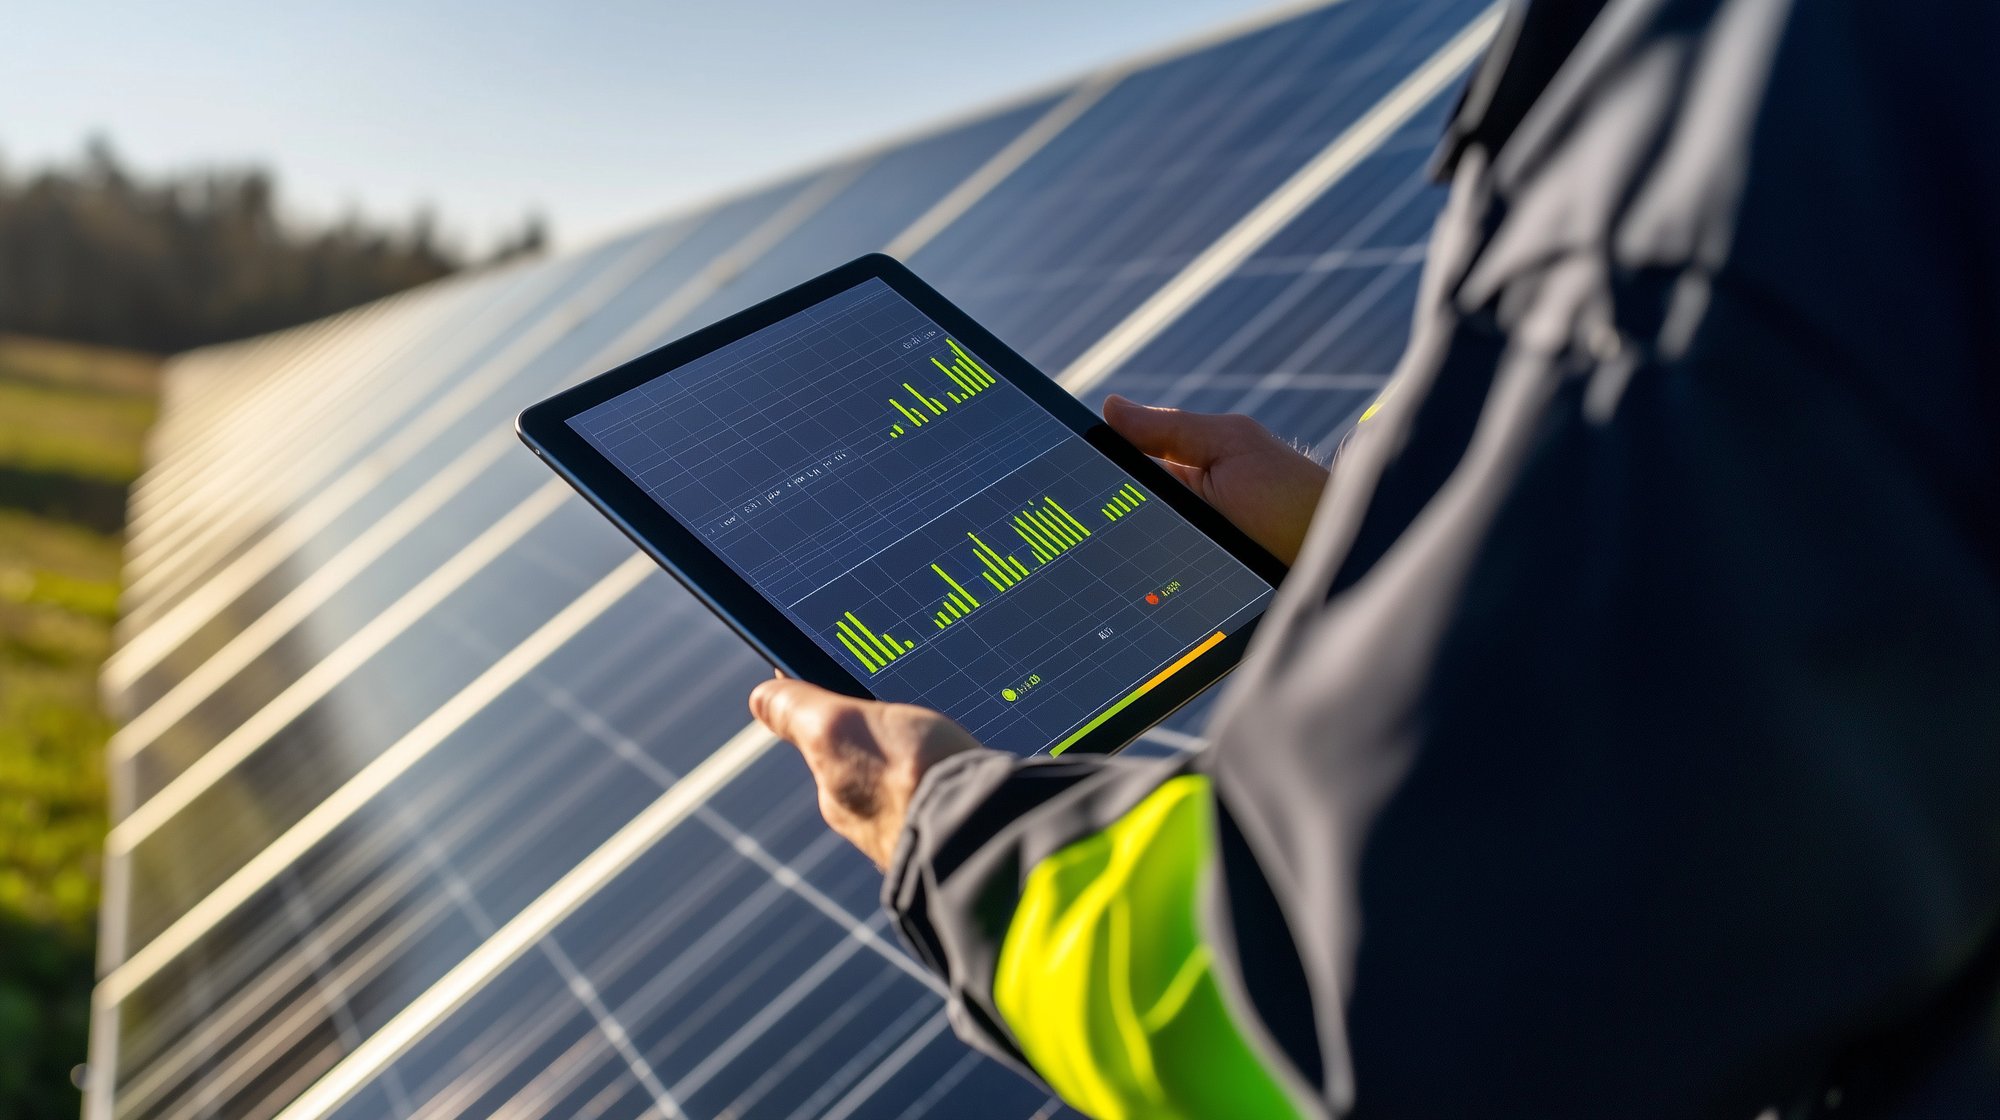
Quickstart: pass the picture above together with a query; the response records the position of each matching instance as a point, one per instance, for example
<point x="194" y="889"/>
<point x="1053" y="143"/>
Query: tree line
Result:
<point x="93" y="252"/>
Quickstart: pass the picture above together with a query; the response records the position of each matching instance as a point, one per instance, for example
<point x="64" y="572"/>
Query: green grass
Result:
<point x="72" y="423"/>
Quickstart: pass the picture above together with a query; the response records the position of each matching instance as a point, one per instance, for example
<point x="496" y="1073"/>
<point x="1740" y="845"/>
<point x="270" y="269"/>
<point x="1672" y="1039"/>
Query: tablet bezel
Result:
<point x="545" y="428"/>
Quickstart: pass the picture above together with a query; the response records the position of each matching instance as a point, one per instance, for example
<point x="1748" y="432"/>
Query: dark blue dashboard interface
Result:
<point x="929" y="524"/>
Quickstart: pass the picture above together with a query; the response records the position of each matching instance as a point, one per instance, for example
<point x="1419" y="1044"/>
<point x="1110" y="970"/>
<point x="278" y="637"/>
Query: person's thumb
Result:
<point x="1195" y="439"/>
<point x="795" y="711"/>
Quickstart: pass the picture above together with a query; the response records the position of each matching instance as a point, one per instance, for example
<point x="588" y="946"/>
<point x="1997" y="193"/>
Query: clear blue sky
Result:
<point x="599" y="114"/>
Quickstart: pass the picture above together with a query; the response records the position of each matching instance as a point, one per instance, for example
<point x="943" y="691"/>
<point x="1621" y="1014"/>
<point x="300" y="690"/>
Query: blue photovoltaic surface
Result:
<point x="447" y="345"/>
<point x="1164" y="163"/>
<point x="1307" y="331"/>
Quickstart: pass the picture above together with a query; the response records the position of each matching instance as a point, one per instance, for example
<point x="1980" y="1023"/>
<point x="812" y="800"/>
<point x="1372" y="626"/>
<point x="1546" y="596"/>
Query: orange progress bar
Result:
<point x="1207" y="644"/>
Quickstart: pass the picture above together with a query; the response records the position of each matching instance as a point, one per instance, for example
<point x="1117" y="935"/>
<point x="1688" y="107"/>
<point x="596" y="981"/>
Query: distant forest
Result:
<point x="96" y="253"/>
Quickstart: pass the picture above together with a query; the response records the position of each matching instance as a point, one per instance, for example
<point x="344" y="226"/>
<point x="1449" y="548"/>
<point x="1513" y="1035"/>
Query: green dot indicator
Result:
<point x="1009" y="694"/>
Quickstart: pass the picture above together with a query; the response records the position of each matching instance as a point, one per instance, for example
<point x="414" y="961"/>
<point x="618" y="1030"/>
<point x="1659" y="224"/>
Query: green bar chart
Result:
<point x="1049" y="530"/>
<point x="967" y="380"/>
<point x="874" y="651"/>
<point x="1123" y="502"/>
<point x="957" y="604"/>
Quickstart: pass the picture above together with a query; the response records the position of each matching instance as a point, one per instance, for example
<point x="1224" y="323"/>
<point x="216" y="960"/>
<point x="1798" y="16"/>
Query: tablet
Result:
<point x="885" y="500"/>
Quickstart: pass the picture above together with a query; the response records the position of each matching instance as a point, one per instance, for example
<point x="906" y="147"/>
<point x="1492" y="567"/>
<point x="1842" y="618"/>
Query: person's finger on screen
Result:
<point x="1179" y="437"/>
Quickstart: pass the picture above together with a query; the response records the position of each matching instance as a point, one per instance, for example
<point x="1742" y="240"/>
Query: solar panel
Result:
<point x="440" y="802"/>
<point x="385" y="486"/>
<point x="372" y="366"/>
<point x="1164" y="163"/>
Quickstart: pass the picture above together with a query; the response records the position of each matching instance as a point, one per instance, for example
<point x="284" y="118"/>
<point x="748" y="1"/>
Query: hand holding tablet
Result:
<point x="889" y="503"/>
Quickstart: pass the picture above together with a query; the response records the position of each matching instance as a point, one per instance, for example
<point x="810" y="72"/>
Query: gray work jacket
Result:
<point x="1626" y="740"/>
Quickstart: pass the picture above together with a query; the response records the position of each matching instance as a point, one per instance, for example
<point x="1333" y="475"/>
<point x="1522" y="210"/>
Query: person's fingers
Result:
<point x="799" y="713"/>
<point x="830" y="731"/>
<point x="1195" y="439"/>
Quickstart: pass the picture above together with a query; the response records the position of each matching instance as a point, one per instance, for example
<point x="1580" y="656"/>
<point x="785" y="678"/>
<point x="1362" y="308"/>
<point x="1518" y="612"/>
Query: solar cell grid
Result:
<point x="472" y="425"/>
<point x="885" y="197"/>
<point x="293" y="439"/>
<point x="148" y="689"/>
<point x="358" y="608"/>
<point x="1164" y="163"/>
<point x="343" y="720"/>
<point x="366" y="336"/>
<point x="278" y="372"/>
<point x="1309" y="328"/>
<point x="525" y="311"/>
<point x="510" y="802"/>
<point x="339" y="568"/>
<point x="735" y="1010"/>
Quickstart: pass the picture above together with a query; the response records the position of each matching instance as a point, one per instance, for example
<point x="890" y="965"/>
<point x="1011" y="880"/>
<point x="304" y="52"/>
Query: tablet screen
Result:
<point x="926" y="522"/>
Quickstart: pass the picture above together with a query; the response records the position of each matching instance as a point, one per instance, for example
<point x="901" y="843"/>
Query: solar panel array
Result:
<point x="434" y="799"/>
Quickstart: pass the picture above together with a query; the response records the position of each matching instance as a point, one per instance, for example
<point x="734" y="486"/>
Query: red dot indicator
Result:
<point x="1152" y="599"/>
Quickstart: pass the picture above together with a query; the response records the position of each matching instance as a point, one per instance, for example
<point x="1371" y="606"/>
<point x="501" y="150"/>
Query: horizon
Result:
<point x="221" y="85"/>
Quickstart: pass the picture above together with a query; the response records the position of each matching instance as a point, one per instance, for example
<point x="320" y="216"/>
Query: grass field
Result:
<point x="72" y="425"/>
